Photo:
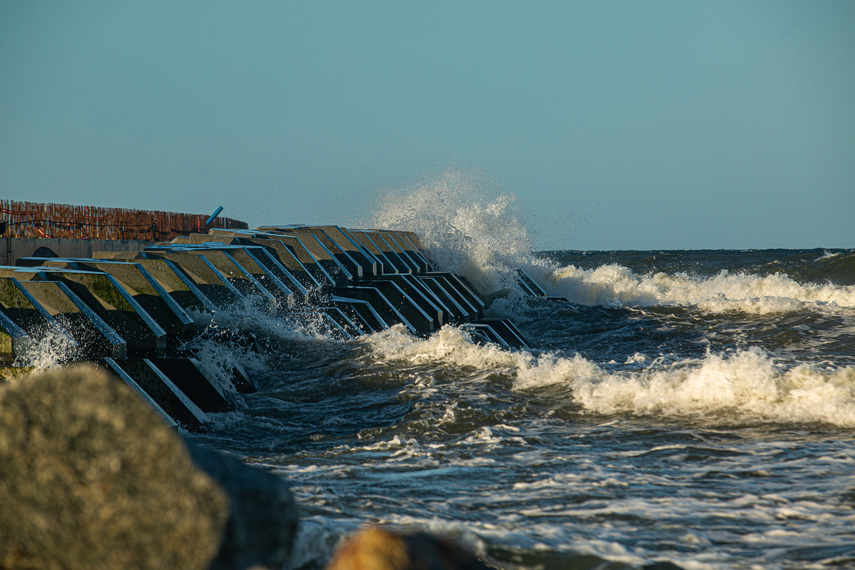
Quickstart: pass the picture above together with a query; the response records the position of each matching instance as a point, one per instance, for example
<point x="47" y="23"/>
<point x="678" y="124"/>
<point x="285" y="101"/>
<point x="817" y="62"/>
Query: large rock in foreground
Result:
<point x="263" y="515"/>
<point x="90" y="477"/>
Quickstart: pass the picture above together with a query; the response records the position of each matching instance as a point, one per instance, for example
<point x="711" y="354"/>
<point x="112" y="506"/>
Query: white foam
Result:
<point x="50" y="348"/>
<point x="617" y="285"/>
<point x="465" y="225"/>
<point x="719" y="390"/>
<point x="449" y="345"/>
<point x="746" y="386"/>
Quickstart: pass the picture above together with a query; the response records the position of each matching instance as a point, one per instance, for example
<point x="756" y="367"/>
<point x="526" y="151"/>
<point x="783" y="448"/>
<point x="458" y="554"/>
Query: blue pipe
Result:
<point x="213" y="216"/>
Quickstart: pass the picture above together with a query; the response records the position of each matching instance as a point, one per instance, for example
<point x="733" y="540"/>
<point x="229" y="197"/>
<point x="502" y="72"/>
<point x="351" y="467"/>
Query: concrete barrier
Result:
<point x="202" y="273"/>
<point x="110" y="301"/>
<point x="130" y="310"/>
<point x="176" y="284"/>
<point x="14" y="341"/>
<point x="94" y="337"/>
<point x="24" y="310"/>
<point x="143" y="287"/>
<point x="164" y="392"/>
<point x="13" y="249"/>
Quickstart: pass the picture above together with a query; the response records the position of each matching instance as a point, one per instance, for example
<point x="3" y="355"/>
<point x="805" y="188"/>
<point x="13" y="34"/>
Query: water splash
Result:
<point x="51" y="347"/>
<point x="465" y="225"/>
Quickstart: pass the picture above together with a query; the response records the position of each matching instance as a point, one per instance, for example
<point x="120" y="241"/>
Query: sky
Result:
<point x="615" y="124"/>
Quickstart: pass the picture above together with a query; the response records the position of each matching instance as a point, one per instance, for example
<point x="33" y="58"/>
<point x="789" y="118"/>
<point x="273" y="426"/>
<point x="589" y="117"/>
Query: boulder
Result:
<point x="90" y="477"/>
<point x="379" y="549"/>
<point x="262" y="513"/>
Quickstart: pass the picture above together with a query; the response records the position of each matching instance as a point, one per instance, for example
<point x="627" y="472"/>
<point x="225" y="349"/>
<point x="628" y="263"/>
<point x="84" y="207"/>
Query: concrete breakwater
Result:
<point x="130" y="311"/>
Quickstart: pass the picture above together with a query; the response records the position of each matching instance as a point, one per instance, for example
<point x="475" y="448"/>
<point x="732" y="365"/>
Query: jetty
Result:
<point x="128" y="296"/>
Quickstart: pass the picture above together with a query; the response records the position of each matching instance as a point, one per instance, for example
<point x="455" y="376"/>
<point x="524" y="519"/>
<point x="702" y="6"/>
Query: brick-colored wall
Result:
<point x="38" y="220"/>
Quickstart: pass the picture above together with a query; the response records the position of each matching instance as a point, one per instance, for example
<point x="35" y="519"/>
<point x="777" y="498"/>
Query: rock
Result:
<point x="90" y="477"/>
<point x="378" y="549"/>
<point x="263" y="515"/>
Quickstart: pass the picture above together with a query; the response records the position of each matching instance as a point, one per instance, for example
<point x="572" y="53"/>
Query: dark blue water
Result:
<point x="695" y="407"/>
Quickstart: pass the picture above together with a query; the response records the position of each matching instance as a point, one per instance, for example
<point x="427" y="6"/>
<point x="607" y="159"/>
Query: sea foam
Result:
<point x="776" y="293"/>
<point x="721" y="389"/>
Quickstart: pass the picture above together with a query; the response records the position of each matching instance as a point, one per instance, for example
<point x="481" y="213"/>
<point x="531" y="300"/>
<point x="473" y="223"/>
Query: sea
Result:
<point x="691" y="407"/>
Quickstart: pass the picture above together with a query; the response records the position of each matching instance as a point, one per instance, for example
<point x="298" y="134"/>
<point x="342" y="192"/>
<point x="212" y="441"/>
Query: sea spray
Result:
<point x="244" y="336"/>
<point x="464" y="229"/>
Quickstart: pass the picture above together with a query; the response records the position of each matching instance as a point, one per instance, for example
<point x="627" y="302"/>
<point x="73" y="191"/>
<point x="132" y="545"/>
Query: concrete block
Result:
<point x="20" y="306"/>
<point x="145" y="290"/>
<point x="94" y="337"/>
<point x="511" y="336"/>
<point x="14" y="341"/>
<point x="528" y="286"/>
<point x="403" y="254"/>
<point x="112" y="366"/>
<point x="359" y="311"/>
<point x="341" y="253"/>
<point x="243" y="280"/>
<point x="405" y="239"/>
<point x="163" y="391"/>
<point x="388" y="310"/>
<point x="368" y="263"/>
<point x="115" y="305"/>
<point x="417" y="292"/>
<point x="190" y="378"/>
<point x="340" y="272"/>
<point x="201" y="272"/>
<point x="103" y="294"/>
<point x="462" y="291"/>
<point x="459" y="309"/>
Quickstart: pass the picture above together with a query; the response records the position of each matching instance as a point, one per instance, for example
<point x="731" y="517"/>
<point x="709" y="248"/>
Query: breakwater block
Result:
<point x="164" y="392"/>
<point x="142" y="286"/>
<point x="111" y="301"/>
<point x="24" y="310"/>
<point x="189" y="377"/>
<point x="94" y="337"/>
<point x="14" y="341"/>
<point x="136" y="311"/>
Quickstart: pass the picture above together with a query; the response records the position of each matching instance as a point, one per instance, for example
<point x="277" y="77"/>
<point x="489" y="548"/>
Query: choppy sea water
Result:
<point x="693" y="407"/>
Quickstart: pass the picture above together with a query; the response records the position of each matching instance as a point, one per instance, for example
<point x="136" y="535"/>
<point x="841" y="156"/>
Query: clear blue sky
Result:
<point x="617" y="124"/>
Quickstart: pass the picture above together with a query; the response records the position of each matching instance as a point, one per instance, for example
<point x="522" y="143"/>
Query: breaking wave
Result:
<point x="617" y="285"/>
<point x="745" y="386"/>
<point x="463" y="228"/>
<point x="468" y="228"/>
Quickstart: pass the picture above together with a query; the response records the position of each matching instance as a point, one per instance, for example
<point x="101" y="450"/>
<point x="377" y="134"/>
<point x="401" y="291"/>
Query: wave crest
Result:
<point x="743" y="387"/>
<point x="746" y="386"/>
<point x="776" y="293"/>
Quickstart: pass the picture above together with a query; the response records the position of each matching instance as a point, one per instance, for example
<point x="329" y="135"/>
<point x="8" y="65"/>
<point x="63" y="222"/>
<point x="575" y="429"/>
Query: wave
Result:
<point x="467" y="231"/>
<point x="746" y="386"/>
<point x="617" y="285"/>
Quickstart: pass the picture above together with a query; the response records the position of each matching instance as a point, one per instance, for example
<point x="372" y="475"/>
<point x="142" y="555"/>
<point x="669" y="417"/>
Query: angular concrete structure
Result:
<point x="133" y="312"/>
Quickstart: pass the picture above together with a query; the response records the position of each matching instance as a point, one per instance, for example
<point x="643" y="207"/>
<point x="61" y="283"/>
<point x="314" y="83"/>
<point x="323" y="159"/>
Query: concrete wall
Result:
<point x="12" y="249"/>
